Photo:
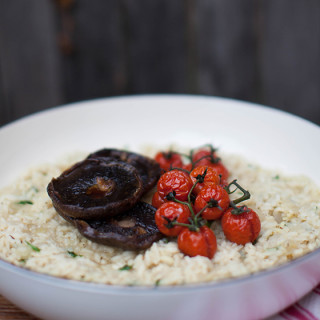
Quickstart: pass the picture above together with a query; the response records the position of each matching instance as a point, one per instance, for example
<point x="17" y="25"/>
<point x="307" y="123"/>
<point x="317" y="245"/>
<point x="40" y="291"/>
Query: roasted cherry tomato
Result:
<point x="217" y="200"/>
<point x="203" y="157"/>
<point x="205" y="175"/>
<point x="169" y="213"/>
<point x="198" y="243"/>
<point x="241" y="228"/>
<point x="168" y="160"/>
<point x="222" y="171"/>
<point x="206" y="157"/>
<point x="176" y="181"/>
<point x="187" y="167"/>
<point x="157" y="201"/>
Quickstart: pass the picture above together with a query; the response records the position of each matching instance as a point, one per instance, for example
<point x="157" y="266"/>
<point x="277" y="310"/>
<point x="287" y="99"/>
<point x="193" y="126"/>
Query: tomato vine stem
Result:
<point x="246" y="194"/>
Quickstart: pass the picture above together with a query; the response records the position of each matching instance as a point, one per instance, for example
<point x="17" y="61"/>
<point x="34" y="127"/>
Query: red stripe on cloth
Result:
<point x="316" y="291"/>
<point x="285" y="316"/>
<point x="310" y="315"/>
<point x="294" y="313"/>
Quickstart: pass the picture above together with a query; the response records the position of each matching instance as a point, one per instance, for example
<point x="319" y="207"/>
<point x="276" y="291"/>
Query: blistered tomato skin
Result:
<point x="222" y="171"/>
<point x="208" y="158"/>
<point x="187" y="167"/>
<point x="203" y="157"/>
<point x="168" y="160"/>
<point x="170" y="212"/>
<point x="157" y="201"/>
<point x="216" y="195"/>
<point x="242" y="228"/>
<point x="175" y="181"/>
<point x="210" y="176"/>
<point x="201" y="243"/>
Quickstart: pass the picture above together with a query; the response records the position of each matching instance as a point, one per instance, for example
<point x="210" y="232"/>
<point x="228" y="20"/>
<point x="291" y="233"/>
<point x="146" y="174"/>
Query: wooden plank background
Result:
<point x="58" y="51"/>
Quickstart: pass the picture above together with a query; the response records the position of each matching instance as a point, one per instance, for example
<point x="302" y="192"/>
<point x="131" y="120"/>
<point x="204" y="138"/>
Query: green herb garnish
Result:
<point x="73" y="255"/>
<point x="125" y="268"/>
<point x="277" y="177"/>
<point x="25" y="202"/>
<point x="34" y="248"/>
<point x="157" y="283"/>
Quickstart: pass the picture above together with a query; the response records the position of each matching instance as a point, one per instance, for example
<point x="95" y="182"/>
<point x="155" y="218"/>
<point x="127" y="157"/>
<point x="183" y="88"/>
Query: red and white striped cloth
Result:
<point x="308" y="308"/>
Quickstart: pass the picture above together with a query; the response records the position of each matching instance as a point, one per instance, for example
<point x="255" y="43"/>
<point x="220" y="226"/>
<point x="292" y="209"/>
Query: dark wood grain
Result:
<point x="29" y="64"/>
<point x="156" y="45"/>
<point x="59" y="51"/>
<point x="290" y="56"/>
<point x="96" y="66"/>
<point x="9" y="311"/>
<point x="226" y="48"/>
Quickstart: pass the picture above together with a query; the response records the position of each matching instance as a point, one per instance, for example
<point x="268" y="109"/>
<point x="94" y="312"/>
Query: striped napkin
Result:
<point x="308" y="308"/>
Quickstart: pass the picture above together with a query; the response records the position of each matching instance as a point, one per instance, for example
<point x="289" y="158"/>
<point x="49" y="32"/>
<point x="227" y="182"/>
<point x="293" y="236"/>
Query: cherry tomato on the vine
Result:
<point x="177" y="181"/>
<point x="241" y="228"/>
<point x="171" y="212"/>
<point x="221" y="171"/>
<point x="157" y="201"/>
<point x="168" y="160"/>
<point x="203" y="157"/>
<point x="187" y="166"/>
<point x="210" y="176"/>
<point x="194" y="243"/>
<point x="217" y="200"/>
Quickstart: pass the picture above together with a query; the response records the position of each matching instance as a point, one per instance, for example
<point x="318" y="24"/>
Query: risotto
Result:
<point x="34" y="236"/>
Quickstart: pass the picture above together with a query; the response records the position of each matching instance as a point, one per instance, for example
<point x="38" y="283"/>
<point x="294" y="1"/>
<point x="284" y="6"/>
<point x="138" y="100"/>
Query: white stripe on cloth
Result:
<point x="308" y="308"/>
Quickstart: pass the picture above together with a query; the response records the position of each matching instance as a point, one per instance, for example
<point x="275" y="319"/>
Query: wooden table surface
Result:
<point x="8" y="311"/>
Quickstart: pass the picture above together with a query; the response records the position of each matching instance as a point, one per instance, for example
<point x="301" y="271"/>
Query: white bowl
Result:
<point x="267" y="136"/>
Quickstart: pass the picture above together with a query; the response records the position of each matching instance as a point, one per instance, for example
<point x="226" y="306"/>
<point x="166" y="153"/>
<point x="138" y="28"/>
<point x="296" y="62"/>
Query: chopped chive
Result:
<point x="165" y="240"/>
<point x="73" y="255"/>
<point x="34" y="248"/>
<point x="277" y="177"/>
<point x="157" y="283"/>
<point x="25" y="202"/>
<point x="125" y="268"/>
<point x="23" y="260"/>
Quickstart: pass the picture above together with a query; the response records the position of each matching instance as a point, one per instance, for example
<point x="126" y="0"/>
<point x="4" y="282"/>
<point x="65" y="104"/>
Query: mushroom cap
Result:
<point x="134" y="229"/>
<point x="148" y="168"/>
<point x="96" y="188"/>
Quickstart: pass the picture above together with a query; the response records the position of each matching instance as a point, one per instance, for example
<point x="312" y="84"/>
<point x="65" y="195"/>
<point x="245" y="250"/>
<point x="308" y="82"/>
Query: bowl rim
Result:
<point x="178" y="96"/>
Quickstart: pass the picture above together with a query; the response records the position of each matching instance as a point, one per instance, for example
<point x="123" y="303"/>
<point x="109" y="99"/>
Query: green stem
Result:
<point x="200" y="212"/>
<point x="191" y="190"/>
<point x="173" y="198"/>
<point x="246" y="194"/>
<point x="191" y="227"/>
<point x="238" y="210"/>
